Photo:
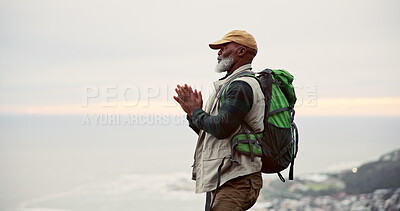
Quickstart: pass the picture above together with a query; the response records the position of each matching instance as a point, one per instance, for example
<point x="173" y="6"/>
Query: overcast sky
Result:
<point x="52" y="51"/>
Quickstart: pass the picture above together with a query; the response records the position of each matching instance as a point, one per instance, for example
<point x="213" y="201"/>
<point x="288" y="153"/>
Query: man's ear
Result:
<point x="241" y="51"/>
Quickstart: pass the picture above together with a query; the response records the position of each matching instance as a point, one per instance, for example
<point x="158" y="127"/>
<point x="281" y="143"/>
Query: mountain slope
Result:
<point x="384" y="173"/>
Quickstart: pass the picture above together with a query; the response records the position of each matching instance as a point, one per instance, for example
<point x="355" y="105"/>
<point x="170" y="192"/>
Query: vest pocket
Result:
<point x="219" y="153"/>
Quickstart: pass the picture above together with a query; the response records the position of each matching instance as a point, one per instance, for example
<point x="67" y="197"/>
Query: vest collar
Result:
<point x="218" y="84"/>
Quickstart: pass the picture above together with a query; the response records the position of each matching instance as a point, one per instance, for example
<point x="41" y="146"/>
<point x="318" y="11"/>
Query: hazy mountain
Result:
<point x="372" y="186"/>
<point x="384" y="173"/>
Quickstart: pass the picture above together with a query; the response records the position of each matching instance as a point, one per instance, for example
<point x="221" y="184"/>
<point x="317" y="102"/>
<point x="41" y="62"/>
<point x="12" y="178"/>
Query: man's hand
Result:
<point x="189" y="100"/>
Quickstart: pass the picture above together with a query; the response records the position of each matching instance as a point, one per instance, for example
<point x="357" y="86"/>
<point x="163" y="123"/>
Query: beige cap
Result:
<point x="238" y="36"/>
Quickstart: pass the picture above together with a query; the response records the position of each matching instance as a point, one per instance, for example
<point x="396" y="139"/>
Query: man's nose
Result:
<point x="220" y="52"/>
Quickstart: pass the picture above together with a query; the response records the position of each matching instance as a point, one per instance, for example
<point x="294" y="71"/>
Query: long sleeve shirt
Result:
<point x="238" y="102"/>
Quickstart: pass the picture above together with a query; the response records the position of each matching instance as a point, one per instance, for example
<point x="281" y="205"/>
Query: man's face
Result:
<point x="226" y="58"/>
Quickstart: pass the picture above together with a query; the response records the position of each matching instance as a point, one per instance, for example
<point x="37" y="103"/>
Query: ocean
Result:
<point x="131" y="162"/>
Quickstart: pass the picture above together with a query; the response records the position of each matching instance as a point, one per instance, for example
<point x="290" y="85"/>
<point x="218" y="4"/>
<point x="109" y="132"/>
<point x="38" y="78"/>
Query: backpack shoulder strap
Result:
<point x="229" y="82"/>
<point x="225" y="87"/>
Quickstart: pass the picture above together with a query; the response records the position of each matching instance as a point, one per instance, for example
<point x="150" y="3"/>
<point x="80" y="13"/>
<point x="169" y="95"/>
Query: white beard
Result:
<point x="224" y="65"/>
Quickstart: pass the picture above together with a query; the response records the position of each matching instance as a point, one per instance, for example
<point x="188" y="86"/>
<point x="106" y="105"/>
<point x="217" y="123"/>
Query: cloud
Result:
<point x="308" y="107"/>
<point x="351" y="107"/>
<point x="50" y="49"/>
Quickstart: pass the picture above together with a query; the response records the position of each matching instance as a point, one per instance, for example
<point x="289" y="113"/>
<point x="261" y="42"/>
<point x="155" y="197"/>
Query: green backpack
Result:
<point x="277" y="145"/>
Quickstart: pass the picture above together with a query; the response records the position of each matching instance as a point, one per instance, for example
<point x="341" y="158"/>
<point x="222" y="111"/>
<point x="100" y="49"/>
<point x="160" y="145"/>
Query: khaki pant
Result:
<point x="238" y="194"/>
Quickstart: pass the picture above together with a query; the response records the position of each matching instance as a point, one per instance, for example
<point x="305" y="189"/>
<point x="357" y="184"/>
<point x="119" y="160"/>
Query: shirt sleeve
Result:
<point x="191" y="125"/>
<point x="238" y="102"/>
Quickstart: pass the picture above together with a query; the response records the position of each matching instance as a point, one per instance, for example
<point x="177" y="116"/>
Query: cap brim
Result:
<point x="218" y="44"/>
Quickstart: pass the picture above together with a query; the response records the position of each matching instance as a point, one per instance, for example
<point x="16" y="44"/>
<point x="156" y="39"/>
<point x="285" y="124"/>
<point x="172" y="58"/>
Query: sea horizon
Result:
<point x="57" y="163"/>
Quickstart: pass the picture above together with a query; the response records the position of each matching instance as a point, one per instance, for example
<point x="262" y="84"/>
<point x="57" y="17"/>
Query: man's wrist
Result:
<point x="195" y="112"/>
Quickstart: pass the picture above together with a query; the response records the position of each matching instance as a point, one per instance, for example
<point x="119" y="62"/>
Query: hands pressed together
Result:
<point x="188" y="99"/>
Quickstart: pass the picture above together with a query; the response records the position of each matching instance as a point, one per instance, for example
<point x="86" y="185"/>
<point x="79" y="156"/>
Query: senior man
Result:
<point x="232" y="180"/>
